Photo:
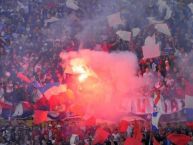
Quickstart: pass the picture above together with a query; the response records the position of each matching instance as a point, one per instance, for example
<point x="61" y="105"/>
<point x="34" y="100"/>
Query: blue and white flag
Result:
<point x="158" y="109"/>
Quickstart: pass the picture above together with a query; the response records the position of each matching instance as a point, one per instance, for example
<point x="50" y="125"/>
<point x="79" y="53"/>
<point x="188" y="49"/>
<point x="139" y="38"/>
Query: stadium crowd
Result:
<point x="31" y="44"/>
<point x="65" y="133"/>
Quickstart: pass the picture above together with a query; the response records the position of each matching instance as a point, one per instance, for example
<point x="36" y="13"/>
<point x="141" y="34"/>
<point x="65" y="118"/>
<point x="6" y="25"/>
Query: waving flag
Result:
<point x="123" y="125"/>
<point x="155" y="142"/>
<point x="52" y="89"/>
<point x="6" y="109"/>
<point x="51" y="20"/>
<point x="23" y="77"/>
<point x="155" y="120"/>
<point x="42" y="104"/>
<point x="189" y="100"/>
<point x="179" y="139"/>
<point x="40" y="116"/>
<point x="100" y="136"/>
<point x="132" y="141"/>
<point x="190" y="5"/>
<point x="114" y="19"/>
<point x="23" y="110"/>
<point x="72" y="4"/>
<point x="5" y="105"/>
<point x="124" y="35"/>
<point x="90" y="122"/>
<point x="163" y="28"/>
<point x="151" y="49"/>
<point x="158" y="110"/>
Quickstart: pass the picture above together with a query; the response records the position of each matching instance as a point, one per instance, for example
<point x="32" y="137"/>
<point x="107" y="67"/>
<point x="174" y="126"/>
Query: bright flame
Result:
<point x="79" y="67"/>
<point x="82" y="77"/>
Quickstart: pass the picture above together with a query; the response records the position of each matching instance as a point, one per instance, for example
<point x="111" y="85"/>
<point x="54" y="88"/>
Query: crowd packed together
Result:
<point x="65" y="133"/>
<point x="34" y="32"/>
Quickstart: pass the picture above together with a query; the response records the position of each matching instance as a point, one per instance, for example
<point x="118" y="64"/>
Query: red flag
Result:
<point x="5" y="105"/>
<point x="90" y="122"/>
<point x="179" y="139"/>
<point x="40" y="116"/>
<point x="57" y="100"/>
<point x="155" y="142"/>
<point x="137" y="131"/>
<point x="42" y="104"/>
<point x="27" y="105"/>
<point x="100" y="136"/>
<point x="190" y="124"/>
<point x="123" y="125"/>
<point x="23" y="77"/>
<point x="132" y="141"/>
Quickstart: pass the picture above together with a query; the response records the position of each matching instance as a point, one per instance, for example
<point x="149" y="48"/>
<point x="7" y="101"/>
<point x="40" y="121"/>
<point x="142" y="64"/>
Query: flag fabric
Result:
<point x="90" y="122"/>
<point x="168" y="13"/>
<point x="5" y="105"/>
<point x="158" y="110"/>
<point x="22" y="6"/>
<point x="190" y="5"/>
<point x="23" y="110"/>
<point x="151" y="49"/>
<point x="152" y="20"/>
<point x="135" y="32"/>
<point x="188" y="94"/>
<point x="179" y="139"/>
<point x="123" y="125"/>
<point x="155" y="120"/>
<point x="57" y="102"/>
<point x="50" y="20"/>
<point x="52" y="89"/>
<point x="22" y="77"/>
<point x="155" y="142"/>
<point x="48" y="86"/>
<point x="132" y="141"/>
<point x="114" y="19"/>
<point x="137" y="130"/>
<point x="100" y="136"/>
<point x="42" y="104"/>
<point x="40" y="116"/>
<point x="72" y="4"/>
<point x="54" y="115"/>
<point x="73" y="139"/>
<point x="124" y="35"/>
<point x="7" y="113"/>
<point x="163" y="28"/>
<point x="189" y="124"/>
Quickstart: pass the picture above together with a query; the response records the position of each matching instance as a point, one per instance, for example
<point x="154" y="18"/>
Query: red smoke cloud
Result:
<point x="103" y="81"/>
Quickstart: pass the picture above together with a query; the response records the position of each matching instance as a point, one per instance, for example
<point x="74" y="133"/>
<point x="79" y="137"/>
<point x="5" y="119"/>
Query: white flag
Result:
<point x="163" y="28"/>
<point x="115" y="19"/>
<point x="72" y="4"/>
<point x="152" y="20"/>
<point x="124" y="35"/>
<point x="191" y="7"/>
<point x="18" y="110"/>
<point x="51" y="20"/>
<point x="135" y="31"/>
<point x="168" y="13"/>
<point x="151" y="49"/>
